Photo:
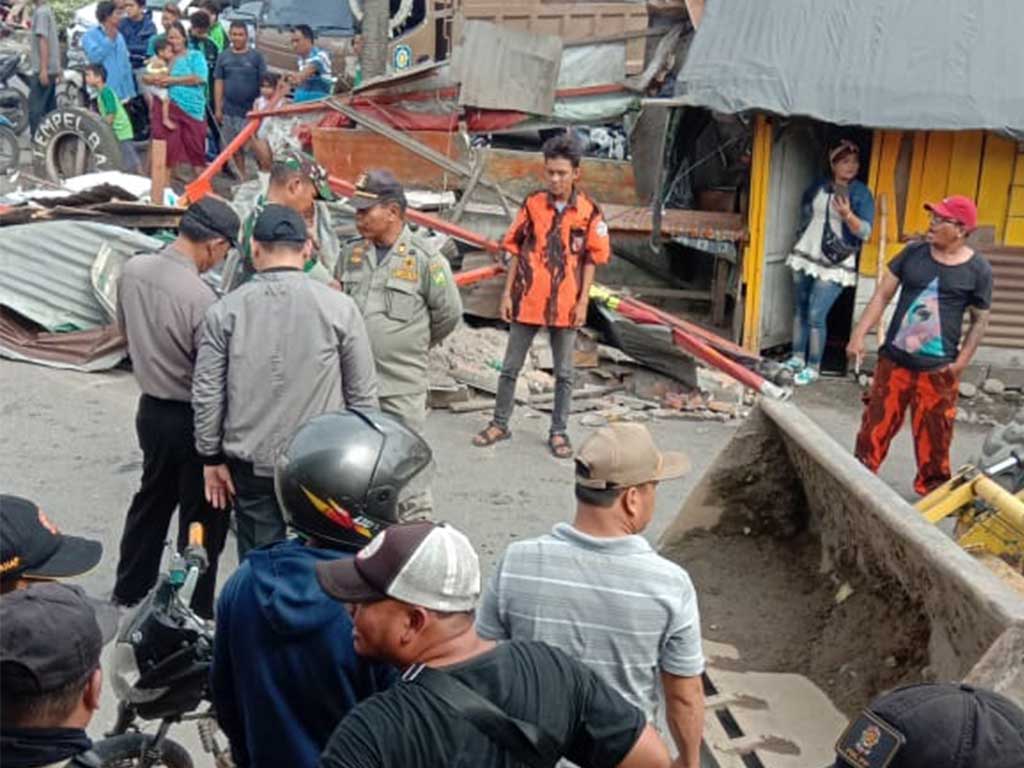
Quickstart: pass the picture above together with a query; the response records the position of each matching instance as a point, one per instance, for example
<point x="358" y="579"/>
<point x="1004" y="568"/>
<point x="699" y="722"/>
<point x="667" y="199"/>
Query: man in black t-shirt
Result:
<point x="922" y="359"/>
<point x="412" y="592"/>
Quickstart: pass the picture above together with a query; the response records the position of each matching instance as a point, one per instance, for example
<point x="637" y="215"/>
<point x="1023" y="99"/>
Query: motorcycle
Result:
<point x="14" y="101"/>
<point x="161" y="670"/>
<point x="10" y="150"/>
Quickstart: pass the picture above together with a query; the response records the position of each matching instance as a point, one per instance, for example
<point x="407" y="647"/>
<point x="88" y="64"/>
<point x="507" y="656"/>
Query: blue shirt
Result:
<point x="113" y="55"/>
<point x="191" y="98"/>
<point x="318" y="86"/>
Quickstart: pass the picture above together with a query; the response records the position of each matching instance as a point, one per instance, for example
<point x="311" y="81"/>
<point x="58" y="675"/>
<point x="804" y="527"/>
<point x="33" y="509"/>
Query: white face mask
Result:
<point x="92" y="90"/>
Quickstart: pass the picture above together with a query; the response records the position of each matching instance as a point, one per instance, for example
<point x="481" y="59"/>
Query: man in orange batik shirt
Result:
<point x="556" y="242"/>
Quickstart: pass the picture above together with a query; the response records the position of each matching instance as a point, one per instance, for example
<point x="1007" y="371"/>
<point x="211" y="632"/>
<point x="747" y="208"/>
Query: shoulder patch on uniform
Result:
<point x="437" y="273"/>
<point x="602" y="229"/>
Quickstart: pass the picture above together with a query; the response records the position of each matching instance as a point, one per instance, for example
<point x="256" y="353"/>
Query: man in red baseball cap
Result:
<point x="922" y="359"/>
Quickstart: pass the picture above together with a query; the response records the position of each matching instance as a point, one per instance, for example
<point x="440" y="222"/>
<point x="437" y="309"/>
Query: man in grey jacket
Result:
<point x="276" y="352"/>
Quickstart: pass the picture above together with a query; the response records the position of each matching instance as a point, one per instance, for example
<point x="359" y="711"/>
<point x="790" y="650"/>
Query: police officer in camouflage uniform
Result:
<point x="409" y="300"/>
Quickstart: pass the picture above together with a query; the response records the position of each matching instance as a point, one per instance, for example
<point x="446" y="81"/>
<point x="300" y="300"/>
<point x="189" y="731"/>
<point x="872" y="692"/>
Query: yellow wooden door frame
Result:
<point x="757" y="217"/>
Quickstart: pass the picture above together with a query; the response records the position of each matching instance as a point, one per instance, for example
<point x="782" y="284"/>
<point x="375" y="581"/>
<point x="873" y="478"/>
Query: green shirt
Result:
<point x="217" y="35"/>
<point x="109" y="104"/>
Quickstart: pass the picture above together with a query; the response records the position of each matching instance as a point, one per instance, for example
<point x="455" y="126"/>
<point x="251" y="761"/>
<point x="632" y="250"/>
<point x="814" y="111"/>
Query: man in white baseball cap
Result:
<point x="412" y="592"/>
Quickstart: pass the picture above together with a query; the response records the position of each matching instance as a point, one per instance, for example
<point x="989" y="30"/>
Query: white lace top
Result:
<point x="807" y="256"/>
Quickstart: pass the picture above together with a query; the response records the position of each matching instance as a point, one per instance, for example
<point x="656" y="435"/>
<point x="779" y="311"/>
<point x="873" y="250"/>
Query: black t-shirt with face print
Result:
<point x="925" y="331"/>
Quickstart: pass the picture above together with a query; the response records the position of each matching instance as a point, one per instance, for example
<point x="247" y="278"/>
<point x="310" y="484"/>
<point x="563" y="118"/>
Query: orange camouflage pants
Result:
<point x="931" y="396"/>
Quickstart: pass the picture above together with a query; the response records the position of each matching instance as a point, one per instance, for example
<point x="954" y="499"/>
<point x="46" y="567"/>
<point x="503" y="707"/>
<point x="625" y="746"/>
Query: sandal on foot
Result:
<point x="490" y="435"/>
<point x="560" y="446"/>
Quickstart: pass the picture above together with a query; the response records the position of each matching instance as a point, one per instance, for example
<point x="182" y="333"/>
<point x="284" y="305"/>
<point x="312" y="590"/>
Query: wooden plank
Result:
<point x="882" y="181"/>
<point x="753" y="258"/>
<point x="346" y="153"/>
<point x="965" y="164"/>
<point x="935" y="177"/>
<point x="1018" y="173"/>
<point x="1016" y="206"/>
<point x="997" y="170"/>
<point x="1014" y="234"/>
<point x="157" y="170"/>
<point x="520" y="173"/>
<point x="710" y="225"/>
<point x="915" y="218"/>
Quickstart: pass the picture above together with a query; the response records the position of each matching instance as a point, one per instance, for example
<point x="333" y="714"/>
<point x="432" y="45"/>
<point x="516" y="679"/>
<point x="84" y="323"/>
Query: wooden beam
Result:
<point x="157" y="170"/>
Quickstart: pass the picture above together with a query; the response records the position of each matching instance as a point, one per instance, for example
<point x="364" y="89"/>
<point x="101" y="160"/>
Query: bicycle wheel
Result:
<point x="128" y="750"/>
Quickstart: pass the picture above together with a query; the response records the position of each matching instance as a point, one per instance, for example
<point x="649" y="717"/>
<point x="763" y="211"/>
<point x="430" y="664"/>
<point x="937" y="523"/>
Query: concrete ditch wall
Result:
<point x="782" y="473"/>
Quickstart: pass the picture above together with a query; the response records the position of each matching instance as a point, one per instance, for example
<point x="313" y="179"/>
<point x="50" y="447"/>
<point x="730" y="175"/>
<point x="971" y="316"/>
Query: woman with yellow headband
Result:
<point x="836" y="216"/>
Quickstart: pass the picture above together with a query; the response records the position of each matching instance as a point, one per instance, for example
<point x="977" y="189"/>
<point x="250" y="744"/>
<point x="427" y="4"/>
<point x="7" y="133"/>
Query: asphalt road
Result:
<point x="68" y="443"/>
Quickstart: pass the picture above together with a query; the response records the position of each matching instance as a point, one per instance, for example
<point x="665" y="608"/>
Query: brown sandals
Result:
<point x="490" y="435"/>
<point x="560" y="446"/>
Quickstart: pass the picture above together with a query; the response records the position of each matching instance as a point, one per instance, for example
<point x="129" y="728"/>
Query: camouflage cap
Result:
<point x="300" y="161"/>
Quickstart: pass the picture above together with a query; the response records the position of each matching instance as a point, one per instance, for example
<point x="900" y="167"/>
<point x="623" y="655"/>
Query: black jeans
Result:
<point x="563" y="351"/>
<point x="257" y="515"/>
<point x="172" y="476"/>
<point x="42" y="100"/>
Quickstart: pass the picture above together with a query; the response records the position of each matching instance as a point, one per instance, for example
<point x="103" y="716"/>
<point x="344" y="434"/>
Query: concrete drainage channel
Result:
<point x="821" y="588"/>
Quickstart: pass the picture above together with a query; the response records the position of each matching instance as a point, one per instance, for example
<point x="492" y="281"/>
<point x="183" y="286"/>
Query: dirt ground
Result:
<point x="767" y="598"/>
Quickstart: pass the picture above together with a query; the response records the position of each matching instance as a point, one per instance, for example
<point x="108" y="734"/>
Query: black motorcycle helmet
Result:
<point x="341" y="476"/>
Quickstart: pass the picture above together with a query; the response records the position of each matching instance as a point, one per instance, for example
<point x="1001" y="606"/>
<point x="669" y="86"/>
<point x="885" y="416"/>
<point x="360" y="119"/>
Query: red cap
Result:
<point x="959" y="208"/>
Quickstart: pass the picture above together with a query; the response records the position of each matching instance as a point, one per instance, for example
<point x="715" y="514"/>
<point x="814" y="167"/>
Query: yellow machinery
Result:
<point x="989" y="518"/>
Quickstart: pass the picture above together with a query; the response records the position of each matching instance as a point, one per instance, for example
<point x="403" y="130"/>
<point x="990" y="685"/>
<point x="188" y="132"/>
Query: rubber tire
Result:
<point x="17" y="108"/>
<point x="1003" y="440"/>
<point x="104" y="150"/>
<point x="9" y="145"/>
<point x="121" y="751"/>
<point x="70" y="96"/>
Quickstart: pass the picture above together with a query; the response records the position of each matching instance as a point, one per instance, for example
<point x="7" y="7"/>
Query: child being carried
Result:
<point x="160" y="64"/>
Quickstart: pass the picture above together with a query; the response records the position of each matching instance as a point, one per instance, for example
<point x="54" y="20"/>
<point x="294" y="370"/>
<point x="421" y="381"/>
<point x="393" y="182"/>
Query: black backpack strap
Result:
<point x="529" y="743"/>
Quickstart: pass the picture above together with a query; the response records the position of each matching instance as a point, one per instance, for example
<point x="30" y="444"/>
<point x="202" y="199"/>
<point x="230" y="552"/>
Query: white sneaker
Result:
<point x="806" y="376"/>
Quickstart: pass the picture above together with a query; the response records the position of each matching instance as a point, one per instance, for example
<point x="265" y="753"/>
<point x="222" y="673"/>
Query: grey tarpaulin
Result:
<point x="939" y="65"/>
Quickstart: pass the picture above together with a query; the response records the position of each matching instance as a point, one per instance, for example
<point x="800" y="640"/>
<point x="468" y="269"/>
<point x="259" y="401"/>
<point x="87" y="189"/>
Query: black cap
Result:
<point x="943" y="725"/>
<point x="279" y="224"/>
<point x="216" y="216"/>
<point x="32" y="547"/>
<point x="375" y="187"/>
<point x="50" y="636"/>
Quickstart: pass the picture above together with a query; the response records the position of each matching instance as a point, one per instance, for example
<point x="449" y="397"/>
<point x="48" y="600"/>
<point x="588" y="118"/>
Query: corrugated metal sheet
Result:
<point x="1006" y="323"/>
<point x="45" y="270"/>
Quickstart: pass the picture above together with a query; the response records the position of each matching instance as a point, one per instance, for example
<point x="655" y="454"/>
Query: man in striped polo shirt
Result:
<point x="598" y="590"/>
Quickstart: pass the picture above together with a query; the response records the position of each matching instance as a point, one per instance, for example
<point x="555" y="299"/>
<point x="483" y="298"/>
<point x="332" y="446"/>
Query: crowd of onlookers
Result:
<point x="190" y="85"/>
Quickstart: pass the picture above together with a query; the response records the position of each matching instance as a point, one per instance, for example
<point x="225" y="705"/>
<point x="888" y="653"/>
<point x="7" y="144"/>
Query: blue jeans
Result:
<point x="812" y="300"/>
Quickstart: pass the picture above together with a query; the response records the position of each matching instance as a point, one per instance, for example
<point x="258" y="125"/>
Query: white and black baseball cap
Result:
<point x="432" y="565"/>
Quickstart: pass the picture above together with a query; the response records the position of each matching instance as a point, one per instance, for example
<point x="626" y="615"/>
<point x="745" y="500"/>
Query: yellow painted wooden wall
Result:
<point x="984" y="166"/>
